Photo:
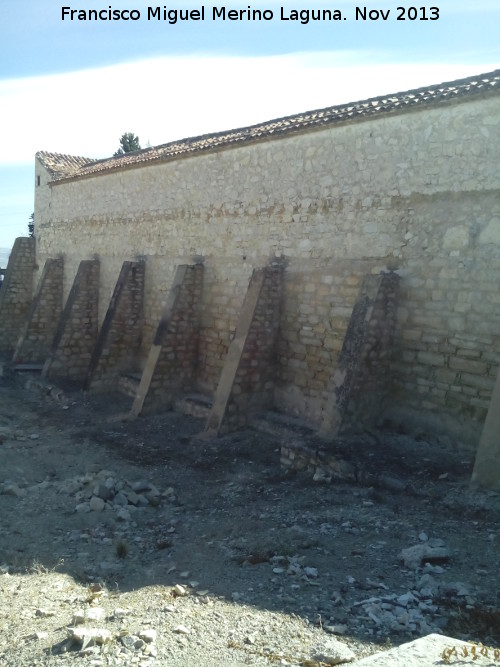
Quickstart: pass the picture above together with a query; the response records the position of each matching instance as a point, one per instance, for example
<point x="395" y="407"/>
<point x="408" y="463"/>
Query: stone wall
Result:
<point x="247" y="381"/>
<point x="416" y="192"/>
<point x="316" y="309"/>
<point x="76" y="333"/>
<point x="254" y="381"/>
<point x="175" y="347"/>
<point x="40" y="325"/>
<point x="119" y="340"/>
<point x="362" y="374"/>
<point x="224" y="287"/>
<point x="16" y="293"/>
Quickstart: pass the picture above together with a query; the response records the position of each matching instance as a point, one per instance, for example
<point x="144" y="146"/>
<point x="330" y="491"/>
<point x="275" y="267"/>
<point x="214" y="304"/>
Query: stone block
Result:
<point x="468" y="365"/>
<point x="479" y="381"/>
<point x="491" y="233"/>
<point x="431" y="358"/>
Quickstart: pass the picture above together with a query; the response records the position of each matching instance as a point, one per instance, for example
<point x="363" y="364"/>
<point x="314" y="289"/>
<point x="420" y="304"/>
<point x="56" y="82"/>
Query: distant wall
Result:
<point x="416" y="191"/>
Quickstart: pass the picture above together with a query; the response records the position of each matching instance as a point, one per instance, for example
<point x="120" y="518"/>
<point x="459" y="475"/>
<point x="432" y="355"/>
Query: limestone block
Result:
<point x="469" y="366"/>
<point x="456" y="238"/>
<point x="491" y="233"/>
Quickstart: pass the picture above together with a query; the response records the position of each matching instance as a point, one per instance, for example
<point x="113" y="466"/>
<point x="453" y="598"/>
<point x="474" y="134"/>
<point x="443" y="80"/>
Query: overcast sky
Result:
<point x="76" y="86"/>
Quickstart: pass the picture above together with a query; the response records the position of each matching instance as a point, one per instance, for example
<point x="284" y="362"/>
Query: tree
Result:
<point x="128" y="143"/>
<point x="31" y="226"/>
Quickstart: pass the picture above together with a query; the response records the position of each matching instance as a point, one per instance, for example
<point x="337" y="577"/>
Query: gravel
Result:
<point x="140" y="543"/>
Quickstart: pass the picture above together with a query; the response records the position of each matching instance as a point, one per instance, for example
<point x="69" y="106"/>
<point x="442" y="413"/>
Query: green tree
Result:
<point x="128" y="142"/>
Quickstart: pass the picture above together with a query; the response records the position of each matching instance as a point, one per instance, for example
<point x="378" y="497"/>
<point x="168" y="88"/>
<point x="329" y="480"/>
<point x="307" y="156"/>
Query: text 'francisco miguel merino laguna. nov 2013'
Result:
<point x="223" y="13"/>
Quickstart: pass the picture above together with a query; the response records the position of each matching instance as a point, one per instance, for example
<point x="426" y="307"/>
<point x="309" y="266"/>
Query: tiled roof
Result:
<point x="60" y="165"/>
<point x="65" y="167"/>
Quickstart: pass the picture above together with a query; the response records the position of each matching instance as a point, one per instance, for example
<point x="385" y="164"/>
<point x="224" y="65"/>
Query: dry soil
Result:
<point x="140" y="543"/>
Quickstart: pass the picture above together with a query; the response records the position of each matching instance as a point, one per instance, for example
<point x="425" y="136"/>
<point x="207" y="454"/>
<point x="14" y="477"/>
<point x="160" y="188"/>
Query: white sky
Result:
<point x="85" y="113"/>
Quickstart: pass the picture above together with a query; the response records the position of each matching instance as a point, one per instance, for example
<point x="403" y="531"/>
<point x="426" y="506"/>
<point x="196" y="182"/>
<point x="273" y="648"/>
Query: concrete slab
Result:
<point x="433" y="650"/>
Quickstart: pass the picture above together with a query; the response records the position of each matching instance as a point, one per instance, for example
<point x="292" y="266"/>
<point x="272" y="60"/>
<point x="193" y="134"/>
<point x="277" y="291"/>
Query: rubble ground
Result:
<point x="141" y="543"/>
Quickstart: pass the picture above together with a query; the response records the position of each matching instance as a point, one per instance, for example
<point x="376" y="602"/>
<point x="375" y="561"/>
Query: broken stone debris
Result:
<point x="386" y="613"/>
<point x="182" y="630"/>
<point x="338" y="629"/>
<point x="91" y="640"/>
<point x="103" y="490"/>
<point x="148" y="636"/>
<point x="89" y="614"/>
<point x="180" y="591"/>
<point x="432" y="551"/>
<point x="11" y="489"/>
<point x="409" y="613"/>
<point x="96" y="504"/>
<point x="413" y="612"/>
<point x="44" y="613"/>
<point x="334" y="652"/>
<point x="97" y="492"/>
<point x="88" y="636"/>
<point x="293" y="566"/>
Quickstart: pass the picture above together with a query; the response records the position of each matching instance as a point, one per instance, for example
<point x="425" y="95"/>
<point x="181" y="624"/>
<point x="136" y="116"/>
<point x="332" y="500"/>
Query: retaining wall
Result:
<point x="414" y="192"/>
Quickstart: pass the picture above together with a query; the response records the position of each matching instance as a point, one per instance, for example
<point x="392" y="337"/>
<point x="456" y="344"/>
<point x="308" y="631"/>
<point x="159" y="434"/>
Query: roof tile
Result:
<point x="64" y="167"/>
<point x="60" y="165"/>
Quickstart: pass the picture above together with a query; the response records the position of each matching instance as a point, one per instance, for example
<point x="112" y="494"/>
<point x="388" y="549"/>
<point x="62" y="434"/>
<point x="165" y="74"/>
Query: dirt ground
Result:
<point x="182" y="550"/>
